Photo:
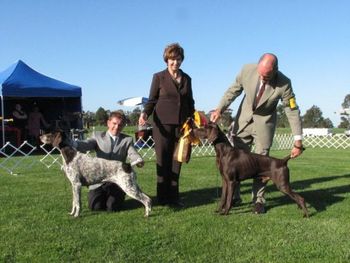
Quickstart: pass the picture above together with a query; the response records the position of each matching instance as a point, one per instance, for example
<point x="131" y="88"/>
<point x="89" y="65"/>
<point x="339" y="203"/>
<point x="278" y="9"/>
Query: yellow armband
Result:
<point x="292" y="103"/>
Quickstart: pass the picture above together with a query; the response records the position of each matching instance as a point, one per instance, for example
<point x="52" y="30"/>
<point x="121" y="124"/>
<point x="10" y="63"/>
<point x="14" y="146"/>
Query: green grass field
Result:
<point x="35" y="225"/>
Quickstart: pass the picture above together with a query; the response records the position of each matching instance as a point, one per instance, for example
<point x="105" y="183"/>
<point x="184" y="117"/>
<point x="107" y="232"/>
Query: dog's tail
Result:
<point x="287" y="158"/>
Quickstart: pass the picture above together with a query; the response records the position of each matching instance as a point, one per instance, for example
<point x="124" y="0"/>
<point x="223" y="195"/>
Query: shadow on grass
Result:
<point x="193" y="198"/>
<point x="319" y="199"/>
<point x="201" y="197"/>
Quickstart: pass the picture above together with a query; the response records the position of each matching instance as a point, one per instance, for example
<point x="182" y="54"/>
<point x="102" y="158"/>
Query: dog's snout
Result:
<point x="46" y="138"/>
<point x="200" y="133"/>
<point x="43" y="138"/>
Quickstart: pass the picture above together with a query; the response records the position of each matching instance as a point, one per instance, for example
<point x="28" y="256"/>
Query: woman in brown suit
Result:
<point x="171" y="103"/>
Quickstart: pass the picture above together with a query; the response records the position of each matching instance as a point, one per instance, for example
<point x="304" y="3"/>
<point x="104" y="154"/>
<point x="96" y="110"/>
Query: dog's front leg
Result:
<point x="223" y="196"/>
<point x="76" y="204"/>
<point x="230" y="190"/>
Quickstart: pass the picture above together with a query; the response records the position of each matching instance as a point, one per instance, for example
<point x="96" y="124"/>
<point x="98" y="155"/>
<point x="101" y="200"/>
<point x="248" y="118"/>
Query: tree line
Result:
<point x="313" y="117"/>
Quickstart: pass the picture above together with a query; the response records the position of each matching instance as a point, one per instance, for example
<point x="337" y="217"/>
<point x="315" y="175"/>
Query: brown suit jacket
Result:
<point x="170" y="103"/>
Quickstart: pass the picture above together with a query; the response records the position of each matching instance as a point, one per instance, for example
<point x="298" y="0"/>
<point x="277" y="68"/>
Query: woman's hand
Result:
<point x="143" y="119"/>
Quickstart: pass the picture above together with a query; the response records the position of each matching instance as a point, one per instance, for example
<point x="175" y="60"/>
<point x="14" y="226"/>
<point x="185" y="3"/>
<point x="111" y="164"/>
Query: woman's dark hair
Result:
<point x="172" y="51"/>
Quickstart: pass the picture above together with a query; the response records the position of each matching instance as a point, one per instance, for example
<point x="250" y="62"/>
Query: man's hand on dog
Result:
<point x="140" y="164"/>
<point x="297" y="149"/>
<point x="215" y="115"/>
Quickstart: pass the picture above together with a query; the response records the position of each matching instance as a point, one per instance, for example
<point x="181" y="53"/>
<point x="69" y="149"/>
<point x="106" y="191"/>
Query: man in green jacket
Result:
<point x="263" y="86"/>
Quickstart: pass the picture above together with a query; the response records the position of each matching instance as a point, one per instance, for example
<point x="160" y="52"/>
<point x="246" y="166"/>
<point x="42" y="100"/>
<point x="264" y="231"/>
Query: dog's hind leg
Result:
<point x="136" y="193"/>
<point x="297" y="198"/>
<point x="76" y="204"/>
<point x="130" y="187"/>
<point x="282" y="183"/>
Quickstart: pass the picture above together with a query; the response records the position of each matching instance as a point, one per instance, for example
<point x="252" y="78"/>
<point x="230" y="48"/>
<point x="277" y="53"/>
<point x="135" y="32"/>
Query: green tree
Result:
<point x="345" y="118"/>
<point x="89" y="119"/>
<point x="313" y="119"/>
<point x="346" y="102"/>
<point x="101" y="116"/>
<point x="344" y="124"/>
<point x="134" y="116"/>
<point x="327" y="123"/>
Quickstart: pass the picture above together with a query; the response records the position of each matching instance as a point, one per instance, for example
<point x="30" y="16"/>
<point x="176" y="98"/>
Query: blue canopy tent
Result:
<point x="22" y="84"/>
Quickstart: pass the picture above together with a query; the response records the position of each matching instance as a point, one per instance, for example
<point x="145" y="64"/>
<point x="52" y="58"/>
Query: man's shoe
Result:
<point x="176" y="204"/>
<point x="162" y="202"/>
<point x="236" y="202"/>
<point x="259" y="208"/>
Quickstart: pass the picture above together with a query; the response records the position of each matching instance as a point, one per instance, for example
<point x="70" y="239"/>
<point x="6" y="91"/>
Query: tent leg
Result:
<point x="3" y="121"/>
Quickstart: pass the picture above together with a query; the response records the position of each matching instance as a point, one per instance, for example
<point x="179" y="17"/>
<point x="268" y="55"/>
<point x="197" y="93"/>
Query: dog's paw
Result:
<point x="306" y="215"/>
<point x="75" y="215"/>
<point x="224" y="212"/>
<point x="219" y="210"/>
<point x="75" y="212"/>
<point x="148" y="211"/>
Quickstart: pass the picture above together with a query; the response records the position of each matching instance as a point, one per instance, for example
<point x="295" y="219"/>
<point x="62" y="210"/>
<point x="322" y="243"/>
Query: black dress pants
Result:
<point x="168" y="170"/>
<point x="108" y="196"/>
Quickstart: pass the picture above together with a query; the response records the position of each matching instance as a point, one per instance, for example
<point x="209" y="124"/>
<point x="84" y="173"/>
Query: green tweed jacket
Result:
<point x="263" y="117"/>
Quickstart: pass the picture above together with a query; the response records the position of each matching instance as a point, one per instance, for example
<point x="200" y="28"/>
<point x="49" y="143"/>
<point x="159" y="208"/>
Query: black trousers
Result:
<point x="109" y="197"/>
<point x="168" y="170"/>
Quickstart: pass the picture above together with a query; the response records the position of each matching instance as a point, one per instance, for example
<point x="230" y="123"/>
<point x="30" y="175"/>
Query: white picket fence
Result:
<point x="13" y="159"/>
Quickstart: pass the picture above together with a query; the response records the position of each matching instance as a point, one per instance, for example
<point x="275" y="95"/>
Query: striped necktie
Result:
<point x="113" y="142"/>
<point x="260" y="93"/>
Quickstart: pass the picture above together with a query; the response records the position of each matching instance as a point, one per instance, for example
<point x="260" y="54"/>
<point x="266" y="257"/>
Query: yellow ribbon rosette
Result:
<point x="184" y="146"/>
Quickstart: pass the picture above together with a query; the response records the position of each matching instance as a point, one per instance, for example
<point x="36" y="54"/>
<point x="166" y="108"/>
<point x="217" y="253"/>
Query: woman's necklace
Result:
<point x="176" y="76"/>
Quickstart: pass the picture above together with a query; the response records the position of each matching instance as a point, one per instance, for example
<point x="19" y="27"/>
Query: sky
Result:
<point x="112" y="48"/>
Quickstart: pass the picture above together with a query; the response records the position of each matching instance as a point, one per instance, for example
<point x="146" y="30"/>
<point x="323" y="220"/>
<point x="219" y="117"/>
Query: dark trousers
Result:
<point x="168" y="170"/>
<point x="244" y="140"/>
<point x="108" y="196"/>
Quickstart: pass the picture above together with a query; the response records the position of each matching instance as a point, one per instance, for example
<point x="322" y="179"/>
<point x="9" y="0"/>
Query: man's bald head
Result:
<point x="267" y="67"/>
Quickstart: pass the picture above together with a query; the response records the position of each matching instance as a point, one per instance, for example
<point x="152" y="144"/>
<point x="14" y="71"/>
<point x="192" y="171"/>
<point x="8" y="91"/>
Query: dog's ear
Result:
<point x="200" y="133"/>
<point x="212" y="124"/>
<point x="213" y="132"/>
<point x="58" y="130"/>
<point x="57" y="139"/>
<point x="127" y="167"/>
